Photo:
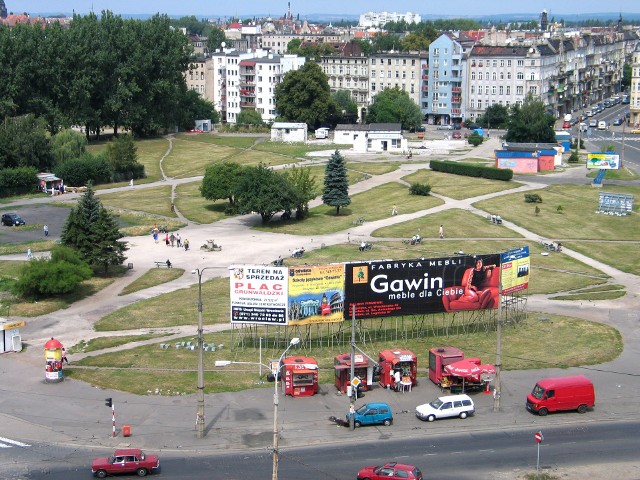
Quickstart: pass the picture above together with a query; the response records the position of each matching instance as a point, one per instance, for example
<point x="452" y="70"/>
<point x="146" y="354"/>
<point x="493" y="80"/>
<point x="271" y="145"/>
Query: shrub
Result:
<point x="475" y="139"/>
<point x="532" y="198"/>
<point x="559" y="209"/>
<point x="537" y="210"/>
<point x="421" y="189"/>
<point x="574" y="158"/>
<point x="471" y="170"/>
<point x="80" y="171"/>
<point x="16" y="181"/>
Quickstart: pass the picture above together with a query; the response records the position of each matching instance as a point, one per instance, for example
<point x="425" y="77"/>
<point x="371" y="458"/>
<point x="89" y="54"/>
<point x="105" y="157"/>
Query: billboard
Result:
<point x="258" y="294"/>
<point x="603" y="161"/>
<point x="316" y="294"/>
<point x="412" y="287"/>
<point x="515" y="266"/>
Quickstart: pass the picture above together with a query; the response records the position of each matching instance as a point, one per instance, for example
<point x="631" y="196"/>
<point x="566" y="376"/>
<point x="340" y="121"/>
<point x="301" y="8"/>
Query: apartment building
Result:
<point x="380" y="19"/>
<point x="200" y="77"/>
<point x="634" y="91"/>
<point x="397" y="70"/>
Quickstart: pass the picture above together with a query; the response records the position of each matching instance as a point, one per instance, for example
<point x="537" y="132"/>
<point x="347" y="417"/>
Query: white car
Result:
<point x="445" y="127"/>
<point x="444" y="407"/>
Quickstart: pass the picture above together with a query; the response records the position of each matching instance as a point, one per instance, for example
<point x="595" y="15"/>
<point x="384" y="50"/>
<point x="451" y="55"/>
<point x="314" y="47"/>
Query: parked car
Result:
<point x="126" y="460"/>
<point x="457" y="126"/>
<point x="566" y="124"/>
<point x="561" y="393"/>
<point x="589" y="113"/>
<point x="635" y="130"/>
<point x="12" y="220"/>
<point x="445" y="407"/>
<point x="618" y="121"/>
<point x="456" y="135"/>
<point x="445" y="127"/>
<point x="389" y="470"/>
<point x="373" y="414"/>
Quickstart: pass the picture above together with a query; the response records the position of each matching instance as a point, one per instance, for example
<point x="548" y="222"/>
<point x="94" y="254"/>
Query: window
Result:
<point x="501" y="90"/>
<point x="473" y="75"/>
<point x="533" y="89"/>
<point x="520" y="63"/>
<point x="373" y="74"/>
<point x="473" y="103"/>
<point x="532" y="76"/>
<point x="373" y="87"/>
<point x="501" y="75"/>
<point x="473" y="89"/>
<point x="494" y="76"/>
<point x="436" y="51"/>
<point x="493" y="90"/>
<point x="508" y="63"/>
<point x="502" y="63"/>
<point x="508" y="75"/>
<point x="480" y="76"/>
<point x="508" y="89"/>
<point x="479" y="104"/>
<point x="520" y="76"/>
<point x="373" y="61"/>
<point x="519" y="90"/>
<point x="479" y="89"/>
<point x="495" y="63"/>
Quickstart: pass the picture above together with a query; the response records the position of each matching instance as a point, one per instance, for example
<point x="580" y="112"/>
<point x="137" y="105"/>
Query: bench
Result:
<point x="165" y="264"/>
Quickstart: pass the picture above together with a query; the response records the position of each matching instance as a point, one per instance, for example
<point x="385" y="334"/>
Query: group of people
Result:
<point x="171" y="239"/>
<point x="297" y="252"/>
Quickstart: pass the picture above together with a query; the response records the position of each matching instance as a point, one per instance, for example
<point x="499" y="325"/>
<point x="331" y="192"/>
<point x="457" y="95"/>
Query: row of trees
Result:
<point x="104" y="71"/>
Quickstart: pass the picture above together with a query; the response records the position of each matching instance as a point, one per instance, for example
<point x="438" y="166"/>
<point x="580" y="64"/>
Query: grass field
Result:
<point x="459" y="187"/>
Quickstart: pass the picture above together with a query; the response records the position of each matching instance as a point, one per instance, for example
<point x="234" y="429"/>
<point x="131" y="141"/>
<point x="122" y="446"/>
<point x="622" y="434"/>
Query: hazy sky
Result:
<point x="217" y="8"/>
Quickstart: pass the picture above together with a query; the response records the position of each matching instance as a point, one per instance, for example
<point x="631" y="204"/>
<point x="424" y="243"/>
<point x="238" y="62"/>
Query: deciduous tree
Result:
<point x="531" y="123"/>
<point x="393" y="105"/>
<point x="222" y="180"/>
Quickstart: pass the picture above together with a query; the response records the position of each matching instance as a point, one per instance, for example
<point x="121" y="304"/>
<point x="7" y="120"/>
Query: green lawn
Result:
<point x="190" y="158"/>
<point x="458" y="186"/>
<point x="154" y="200"/>
<point x="153" y="277"/>
<point x="197" y="208"/>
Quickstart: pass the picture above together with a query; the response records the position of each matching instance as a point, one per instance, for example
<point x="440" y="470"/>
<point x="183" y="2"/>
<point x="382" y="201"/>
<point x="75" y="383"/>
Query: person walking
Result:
<point x="441" y="231"/>
<point x="155" y="236"/>
<point x="131" y="183"/>
<point x="46" y="230"/>
<point x="186" y="244"/>
<point x="64" y="355"/>
<point x="172" y="238"/>
<point x="166" y="239"/>
<point x="29" y="254"/>
<point x="178" y="240"/>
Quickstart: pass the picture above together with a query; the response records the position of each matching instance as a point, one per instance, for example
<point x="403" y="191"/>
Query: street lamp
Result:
<point x="200" y="412"/>
<point x="224" y="363"/>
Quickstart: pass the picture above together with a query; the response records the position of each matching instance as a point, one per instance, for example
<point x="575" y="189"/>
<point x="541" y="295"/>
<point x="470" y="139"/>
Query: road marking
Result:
<point x="12" y="443"/>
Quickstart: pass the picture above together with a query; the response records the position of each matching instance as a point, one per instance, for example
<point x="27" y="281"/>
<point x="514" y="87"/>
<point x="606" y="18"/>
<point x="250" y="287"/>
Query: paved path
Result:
<point x="238" y="415"/>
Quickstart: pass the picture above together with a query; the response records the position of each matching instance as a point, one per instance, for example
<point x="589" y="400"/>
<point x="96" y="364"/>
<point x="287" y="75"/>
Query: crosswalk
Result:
<point x="8" y="443"/>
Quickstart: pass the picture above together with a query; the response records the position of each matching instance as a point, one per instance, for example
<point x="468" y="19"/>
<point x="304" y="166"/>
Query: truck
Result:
<point x="562" y="393"/>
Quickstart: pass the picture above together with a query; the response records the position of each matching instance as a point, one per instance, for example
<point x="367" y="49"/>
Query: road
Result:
<point x="474" y="455"/>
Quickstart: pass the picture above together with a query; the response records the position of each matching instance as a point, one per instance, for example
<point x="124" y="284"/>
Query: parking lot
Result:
<point x="36" y="216"/>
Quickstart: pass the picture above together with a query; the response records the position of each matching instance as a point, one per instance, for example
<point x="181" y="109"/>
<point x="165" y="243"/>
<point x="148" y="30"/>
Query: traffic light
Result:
<point x="108" y="402"/>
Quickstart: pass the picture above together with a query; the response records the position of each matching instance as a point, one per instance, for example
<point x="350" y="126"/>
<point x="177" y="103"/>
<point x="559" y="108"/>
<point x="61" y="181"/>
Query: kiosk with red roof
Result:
<point x="397" y="360"/>
<point x="363" y="369"/>
<point x="300" y="376"/>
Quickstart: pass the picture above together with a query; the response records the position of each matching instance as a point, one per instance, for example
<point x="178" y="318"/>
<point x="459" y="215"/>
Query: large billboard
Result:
<point x="316" y="294"/>
<point x="259" y="294"/>
<point x="515" y="266"/>
<point x="603" y="161"/>
<point x="413" y="287"/>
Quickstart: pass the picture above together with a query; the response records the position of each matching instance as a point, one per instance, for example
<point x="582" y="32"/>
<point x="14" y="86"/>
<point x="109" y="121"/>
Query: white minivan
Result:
<point x="444" y="407"/>
<point x="602" y="125"/>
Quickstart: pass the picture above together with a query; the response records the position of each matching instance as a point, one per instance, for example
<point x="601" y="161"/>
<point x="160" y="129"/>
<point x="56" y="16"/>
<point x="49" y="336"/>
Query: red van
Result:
<point x="561" y="393"/>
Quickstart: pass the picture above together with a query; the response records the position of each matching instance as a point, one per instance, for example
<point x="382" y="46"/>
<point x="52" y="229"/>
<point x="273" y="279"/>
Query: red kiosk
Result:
<point x="440" y="357"/>
<point x="53" y="361"/>
<point x="393" y="360"/>
<point x="363" y="369"/>
<point x="300" y="376"/>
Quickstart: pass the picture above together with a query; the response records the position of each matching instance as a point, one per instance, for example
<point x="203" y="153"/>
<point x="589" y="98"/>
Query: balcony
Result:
<point x="425" y="88"/>
<point x="247" y="83"/>
<point x="456" y="111"/>
<point x="247" y="104"/>
<point x="457" y="100"/>
<point x="425" y="77"/>
<point x="456" y="89"/>
<point x="425" y="66"/>
<point x="247" y="93"/>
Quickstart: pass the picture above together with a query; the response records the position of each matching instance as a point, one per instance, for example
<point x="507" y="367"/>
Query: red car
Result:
<point x="390" y="470"/>
<point x="456" y="135"/>
<point x="125" y="460"/>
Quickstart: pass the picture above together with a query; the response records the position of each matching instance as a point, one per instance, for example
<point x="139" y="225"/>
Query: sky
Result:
<point x="276" y="8"/>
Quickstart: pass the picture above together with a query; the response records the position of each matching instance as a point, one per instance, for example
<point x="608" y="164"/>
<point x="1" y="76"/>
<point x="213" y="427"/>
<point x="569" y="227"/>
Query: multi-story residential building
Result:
<point x="277" y="43"/>
<point x="443" y="79"/>
<point x="634" y="90"/>
<point x="380" y="19"/>
<point x="349" y="70"/>
<point x="397" y="70"/>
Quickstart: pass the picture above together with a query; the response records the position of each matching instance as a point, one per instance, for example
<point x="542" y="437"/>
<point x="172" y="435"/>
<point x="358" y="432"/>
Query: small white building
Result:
<point x="376" y="137"/>
<point x="289" y="132"/>
<point x="10" y="340"/>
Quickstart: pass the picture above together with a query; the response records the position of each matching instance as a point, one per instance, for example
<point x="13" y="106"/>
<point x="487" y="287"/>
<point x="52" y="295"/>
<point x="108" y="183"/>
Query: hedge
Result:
<point x="18" y="181"/>
<point x="471" y="170"/>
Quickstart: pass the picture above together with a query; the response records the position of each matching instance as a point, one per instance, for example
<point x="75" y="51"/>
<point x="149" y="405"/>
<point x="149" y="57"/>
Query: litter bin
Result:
<point x="126" y="430"/>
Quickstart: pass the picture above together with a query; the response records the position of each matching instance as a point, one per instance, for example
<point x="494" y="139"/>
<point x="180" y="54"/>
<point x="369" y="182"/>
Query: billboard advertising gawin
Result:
<point x="259" y="294"/>
<point x="413" y="287"/>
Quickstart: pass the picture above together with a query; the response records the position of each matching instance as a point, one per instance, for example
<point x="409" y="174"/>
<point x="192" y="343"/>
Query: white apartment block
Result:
<point x="380" y="19"/>
<point x="401" y="70"/>
<point x="349" y="73"/>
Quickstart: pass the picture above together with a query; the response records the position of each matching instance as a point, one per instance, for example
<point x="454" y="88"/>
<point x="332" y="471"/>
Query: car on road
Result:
<point x="446" y="407"/>
<point x="618" y="121"/>
<point x="445" y="127"/>
<point x="12" y="220"/>
<point x="391" y="470"/>
<point x="126" y="460"/>
<point x="566" y="124"/>
<point x="373" y="414"/>
<point x="589" y="113"/>
<point x="583" y="127"/>
<point x="593" y="123"/>
<point x="456" y="135"/>
<point x="635" y="130"/>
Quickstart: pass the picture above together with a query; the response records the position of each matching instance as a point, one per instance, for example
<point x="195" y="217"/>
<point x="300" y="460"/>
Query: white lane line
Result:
<point x="13" y="443"/>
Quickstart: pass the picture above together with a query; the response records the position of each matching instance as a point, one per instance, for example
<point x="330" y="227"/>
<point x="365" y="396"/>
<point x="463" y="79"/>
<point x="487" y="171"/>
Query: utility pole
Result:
<point x="496" y="392"/>
<point x="351" y="388"/>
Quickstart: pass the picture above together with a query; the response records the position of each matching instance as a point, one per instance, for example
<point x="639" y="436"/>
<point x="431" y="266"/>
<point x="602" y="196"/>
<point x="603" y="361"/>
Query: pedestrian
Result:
<point x="166" y="239"/>
<point x="394" y="211"/>
<point x="29" y="254"/>
<point x="186" y="244"/>
<point x="46" y="230"/>
<point x="178" y="240"/>
<point x="131" y="183"/>
<point x="173" y="207"/>
<point x="64" y="355"/>
<point x="397" y="377"/>
<point x="155" y="236"/>
<point x="172" y="238"/>
<point x="441" y="231"/>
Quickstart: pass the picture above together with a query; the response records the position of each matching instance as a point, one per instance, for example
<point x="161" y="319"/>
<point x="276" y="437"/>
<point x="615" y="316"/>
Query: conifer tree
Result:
<point x="336" y="184"/>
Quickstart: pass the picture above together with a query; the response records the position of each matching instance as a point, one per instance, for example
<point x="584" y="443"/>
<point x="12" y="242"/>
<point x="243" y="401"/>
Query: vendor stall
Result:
<point x="402" y="361"/>
<point x="439" y="357"/>
<point x="300" y="376"/>
<point x="468" y="374"/>
<point x="10" y="340"/>
<point x="363" y="369"/>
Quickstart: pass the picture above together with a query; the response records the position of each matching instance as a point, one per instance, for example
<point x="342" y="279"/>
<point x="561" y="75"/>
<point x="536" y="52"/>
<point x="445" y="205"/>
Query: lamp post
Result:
<point x="200" y="412"/>
<point x="224" y="363"/>
<point x="274" y="476"/>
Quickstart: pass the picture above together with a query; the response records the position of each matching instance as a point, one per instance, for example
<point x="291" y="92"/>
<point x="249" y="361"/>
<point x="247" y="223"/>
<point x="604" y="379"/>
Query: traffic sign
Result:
<point x="356" y="381"/>
<point x="538" y="436"/>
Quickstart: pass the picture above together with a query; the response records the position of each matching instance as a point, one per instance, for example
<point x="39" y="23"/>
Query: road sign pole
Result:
<point x="539" y="437"/>
<point x="538" y="462"/>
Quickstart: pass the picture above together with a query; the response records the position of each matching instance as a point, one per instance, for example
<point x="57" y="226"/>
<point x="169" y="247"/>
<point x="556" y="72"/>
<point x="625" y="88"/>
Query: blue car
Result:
<point x="378" y="413"/>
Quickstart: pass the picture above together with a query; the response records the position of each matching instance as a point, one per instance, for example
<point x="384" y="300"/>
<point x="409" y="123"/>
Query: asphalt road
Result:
<point x="53" y="215"/>
<point x="487" y="455"/>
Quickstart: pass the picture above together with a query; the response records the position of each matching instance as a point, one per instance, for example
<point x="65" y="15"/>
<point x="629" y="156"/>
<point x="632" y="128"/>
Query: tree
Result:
<point x="264" y="191"/>
<point x="249" y="117"/>
<point x="336" y="183"/>
<point x="530" y="123"/>
<point x="221" y="180"/>
<point x="215" y="37"/>
<point x="48" y="277"/>
<point x="627" y="73"/>
<point x="68" y="144"/>
<point x="25" y="142"/>
<point x="415" y="41"/>
<point x="93" y="232"/>
<point x="122" y="156"/>
<point x="393" y="105"/>
<point x="304" y="96"/>
<point x="344" y="102"/>
<point x="495" y="116"/>
<point x="305" y="184"/>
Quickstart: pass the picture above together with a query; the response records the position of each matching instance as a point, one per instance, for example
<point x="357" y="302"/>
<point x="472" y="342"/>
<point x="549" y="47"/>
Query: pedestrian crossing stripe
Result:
<point x="12" y="443"/>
